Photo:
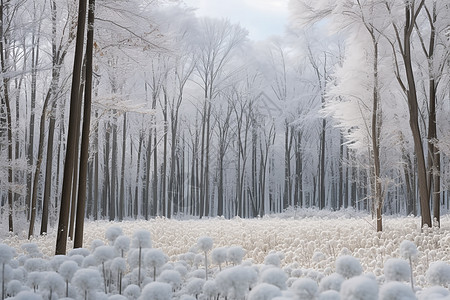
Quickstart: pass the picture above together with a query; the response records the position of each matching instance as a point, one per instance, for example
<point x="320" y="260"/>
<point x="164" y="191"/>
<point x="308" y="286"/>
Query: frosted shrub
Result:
<point x="94" y="244"/>
<point x="83" y="251"/>
<point x="54" y="283"/>
<point x="264" y="291"/>
<point x="122" y="244"/>
<point x="156" y="291"/>
<point x="132" y="292"/>
<point x="86" y="280"/>
<point x="119" y="266"/>
<point x="195" y="286"/>
<point x="329" y="295"/>
<point x="274" y="276"/>
<point x="396" y="291"/>
<point x="210" y="289"/>
<point x="112" y="233"/>
<point x="438" y="273"/>
<point x="14" y="287"/>
<point x="273" y="259"/>
<point x="35" y="265"/>
<point x="154" y="258"/>
<point x="56" y="261"/>
<point x="90" y="261"/>
<point x="171" y="277"/>
<point x="141" y="239"/>
<point x="67" y="269"/>
<point x="103" y="254"/>
<point x="236" y="281"/>
<point x="348" y="266"/>
<point x="331" y="282"/>
<point x="205" y="244"/>
<point x="359" y="288"/>
<point x="34" y="280"/>
<point x="305" y="288"/>
<point x="235" y="254"/>
<point x="408" y="251"/>
<point x="434" y="293"/>
<point x="219" y="256"/>
<point x="6" y="254"/>
<point x="32" y="250"/>
<point x="397" y="269"/>
<point x="27" y="295"/>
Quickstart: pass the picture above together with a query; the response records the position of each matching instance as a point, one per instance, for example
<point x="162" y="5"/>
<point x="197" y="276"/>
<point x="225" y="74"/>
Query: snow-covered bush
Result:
<point x="67" y="269"/>
<point x="132" y="292"/>
<point x="210" y="289"/>
<point x="397" y="269"/>
<point x="6" y="254"/>
<point x="205" y="244"/>
<point x="171" y="277"/>
<point x="156" y="291"/>
<point x="264" y="291"/>
<point x="122" y="244"/>
<point x="331" y="282"/>
<point x="438" y="273"/>
<point x="219" y="256"/>
<point x="86" y="280"/>
<point x="434" y="293"/>
<point x="235" y="254"/>
<point x="395" y="290"/>
<point x="348" y="266"/>
<point x="154" y="258"/>
<point x="274" y="276"/>
<point x="236" y="281"/>
<point x="53" y="283"/>
<point x="112" y="233"/>
<point x="273" y="259"/>
<point x="359" y="288"/>
<point x="305" y="288"/>
<point x="194" y="286"/>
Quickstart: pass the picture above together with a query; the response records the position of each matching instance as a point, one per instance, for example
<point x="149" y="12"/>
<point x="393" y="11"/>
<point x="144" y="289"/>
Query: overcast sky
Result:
<point x="262" y="18"/>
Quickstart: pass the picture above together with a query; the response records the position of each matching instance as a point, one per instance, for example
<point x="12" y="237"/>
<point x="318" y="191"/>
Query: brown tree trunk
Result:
<point x="61" y="240"/>
<point x="84" y="155"/>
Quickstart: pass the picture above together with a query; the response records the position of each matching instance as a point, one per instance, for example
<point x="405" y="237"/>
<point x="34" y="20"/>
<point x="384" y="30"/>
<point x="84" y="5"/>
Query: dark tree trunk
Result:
<point x="61" y="240"/>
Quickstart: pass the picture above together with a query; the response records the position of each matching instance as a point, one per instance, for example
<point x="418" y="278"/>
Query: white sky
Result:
<point x="262" y="18"/>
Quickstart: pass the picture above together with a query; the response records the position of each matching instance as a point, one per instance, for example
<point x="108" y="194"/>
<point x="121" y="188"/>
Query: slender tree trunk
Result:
<point x="120" y="213"/>
<point x="84" y="155"/>
<point x="61" y="241"/>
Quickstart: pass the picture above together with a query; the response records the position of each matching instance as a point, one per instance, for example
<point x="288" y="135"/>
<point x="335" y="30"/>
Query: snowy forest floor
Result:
<point x="307" y="240"/>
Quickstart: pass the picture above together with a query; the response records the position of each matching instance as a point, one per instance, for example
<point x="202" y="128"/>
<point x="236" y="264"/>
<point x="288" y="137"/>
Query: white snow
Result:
<point x="307" y="256"/>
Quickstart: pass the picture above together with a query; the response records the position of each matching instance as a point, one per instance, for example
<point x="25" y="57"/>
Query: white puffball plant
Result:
<point x="333" y="256"/>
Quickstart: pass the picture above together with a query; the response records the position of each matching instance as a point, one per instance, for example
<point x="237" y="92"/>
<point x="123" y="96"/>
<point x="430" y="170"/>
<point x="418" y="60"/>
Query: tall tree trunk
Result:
<point x="84" y="155"/>
<point x="61" y="240"/>
<point x="120" y="213"/>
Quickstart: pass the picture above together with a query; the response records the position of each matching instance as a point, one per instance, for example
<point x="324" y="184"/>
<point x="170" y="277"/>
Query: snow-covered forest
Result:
<point x="313" y="164"/>
<point x="147" y="110"/>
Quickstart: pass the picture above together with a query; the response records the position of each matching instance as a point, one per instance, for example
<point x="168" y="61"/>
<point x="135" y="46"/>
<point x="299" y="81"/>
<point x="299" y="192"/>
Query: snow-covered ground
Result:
<point x="306" y="254"/>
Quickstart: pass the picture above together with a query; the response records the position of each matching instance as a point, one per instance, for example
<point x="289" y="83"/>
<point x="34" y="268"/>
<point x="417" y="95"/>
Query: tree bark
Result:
<point x="61" y="240"/>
